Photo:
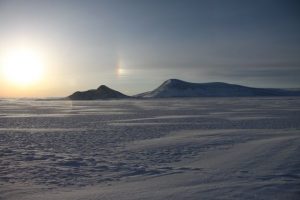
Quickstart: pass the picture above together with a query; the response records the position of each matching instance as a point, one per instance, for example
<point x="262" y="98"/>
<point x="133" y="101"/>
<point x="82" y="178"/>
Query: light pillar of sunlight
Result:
<point x="121" y="70"/>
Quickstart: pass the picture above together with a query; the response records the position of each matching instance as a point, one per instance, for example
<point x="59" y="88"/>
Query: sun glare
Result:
<point x="22" y="66"/>
<point x="121" y="71"/>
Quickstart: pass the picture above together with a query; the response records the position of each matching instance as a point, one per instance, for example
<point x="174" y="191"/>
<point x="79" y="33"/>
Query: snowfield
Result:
<point x="185" y="148"/>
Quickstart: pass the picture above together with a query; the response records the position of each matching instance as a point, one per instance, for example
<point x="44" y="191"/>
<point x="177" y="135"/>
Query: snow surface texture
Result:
<point x="192" y="148"/>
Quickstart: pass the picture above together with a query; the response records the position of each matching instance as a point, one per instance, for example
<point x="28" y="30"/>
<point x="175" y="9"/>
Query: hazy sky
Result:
<point x="134" y="45"/>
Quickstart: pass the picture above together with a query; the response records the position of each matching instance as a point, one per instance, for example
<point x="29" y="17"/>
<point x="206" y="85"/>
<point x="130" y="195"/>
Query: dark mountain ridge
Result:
<point x="179" y="88"/>
<point x="102" y="92"/>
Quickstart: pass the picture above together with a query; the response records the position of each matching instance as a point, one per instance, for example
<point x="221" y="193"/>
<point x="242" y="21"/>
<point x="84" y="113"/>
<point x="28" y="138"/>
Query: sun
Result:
<point x="22" y="66"/>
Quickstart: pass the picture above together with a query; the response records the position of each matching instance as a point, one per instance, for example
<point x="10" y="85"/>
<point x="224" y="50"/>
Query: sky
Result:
<point x="134" y="45"/>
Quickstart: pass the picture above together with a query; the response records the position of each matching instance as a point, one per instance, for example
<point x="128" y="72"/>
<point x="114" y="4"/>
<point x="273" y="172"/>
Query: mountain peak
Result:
<point x="102" y="92"/>
<point x="103" y="87"/>
<point x="173" y="81"/>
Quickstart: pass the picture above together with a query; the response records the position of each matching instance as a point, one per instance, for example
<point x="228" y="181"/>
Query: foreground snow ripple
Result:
<point x="236" y="148"/>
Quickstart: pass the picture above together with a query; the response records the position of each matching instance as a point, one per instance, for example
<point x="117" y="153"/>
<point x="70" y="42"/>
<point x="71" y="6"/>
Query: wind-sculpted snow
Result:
<point x="210" y="148"/>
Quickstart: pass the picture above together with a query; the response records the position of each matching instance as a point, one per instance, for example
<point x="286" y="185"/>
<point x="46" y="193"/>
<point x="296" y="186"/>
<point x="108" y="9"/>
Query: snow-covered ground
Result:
<point x="189" y="148"/>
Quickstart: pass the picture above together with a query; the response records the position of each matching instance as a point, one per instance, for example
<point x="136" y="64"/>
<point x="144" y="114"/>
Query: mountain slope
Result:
<point x="103" y="92"/>
<point x="179" y="88"/>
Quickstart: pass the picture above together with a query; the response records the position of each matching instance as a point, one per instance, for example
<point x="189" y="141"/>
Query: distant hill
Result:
<point x="179" y="88"/>
<point x="103" y="92"/>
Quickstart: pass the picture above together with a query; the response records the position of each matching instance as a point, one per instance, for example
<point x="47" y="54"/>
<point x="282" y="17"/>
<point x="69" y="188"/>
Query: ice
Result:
<point x="190" y="148"/>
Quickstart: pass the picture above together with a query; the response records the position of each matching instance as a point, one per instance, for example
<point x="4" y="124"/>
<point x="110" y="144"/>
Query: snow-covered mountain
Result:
<point x="102" y="92"/>
<point x="179" y="88"/>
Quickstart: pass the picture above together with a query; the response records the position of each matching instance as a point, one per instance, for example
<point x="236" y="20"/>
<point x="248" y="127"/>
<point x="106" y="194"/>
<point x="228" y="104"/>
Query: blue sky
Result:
<point x="254" y="43"/>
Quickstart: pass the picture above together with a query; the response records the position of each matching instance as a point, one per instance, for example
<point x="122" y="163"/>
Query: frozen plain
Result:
<point x="188" y="148"/>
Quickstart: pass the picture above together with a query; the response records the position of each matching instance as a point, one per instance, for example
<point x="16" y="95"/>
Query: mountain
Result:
<point x="103" y="92"/>
<point x="179" y="88"/>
